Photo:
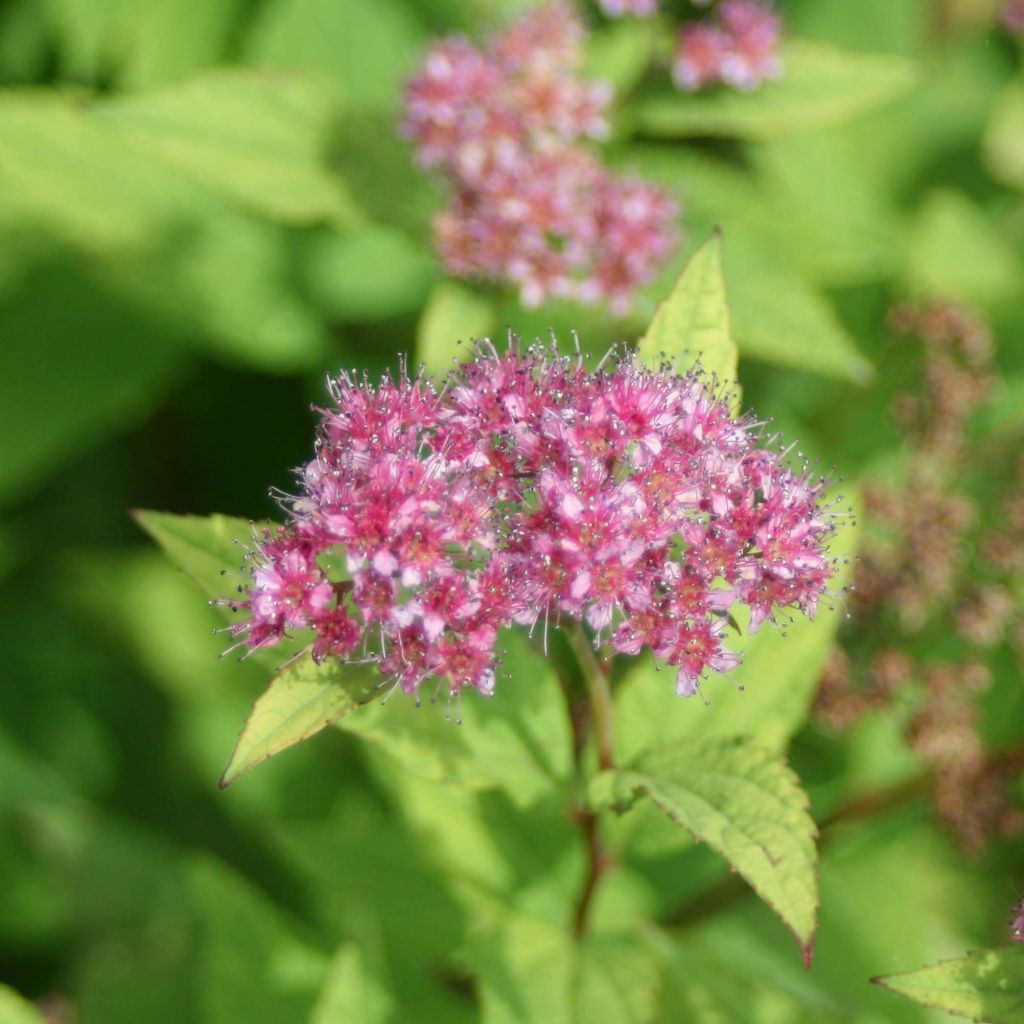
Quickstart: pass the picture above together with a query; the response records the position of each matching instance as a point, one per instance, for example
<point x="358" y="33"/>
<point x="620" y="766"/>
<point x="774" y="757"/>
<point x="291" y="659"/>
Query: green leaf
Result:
<point x="746" y="804"/>
<point x="1004" y="138"/>
<point x="24" y="42"/>
<point x="777" y="314"/>
<point x="987" y="985"/>
<point x="372" y="273"/>
<point x="209" y="549"/>
<point x="168" y="39"/>
<point x="821" y="86"/>
<point x="351" y="995"/>
<point x="228" y="286"/>
<point x="779" y="317"/>
<point x="205" y="547"/>
<point x="620" y="53"/>
<point x="723" y="971"/>
<point x="841" y="226"/>
<point x="532" y="972"/>
<point x="297" y="704"/>
<point x="257" y="136"/>
<point x="15" y="1010"/>
<point x="766" y="696"/>
<point x="253" y="964"/>
<point x="371" y="48"/>
<point x="956" y="251"/>
<point x="140" y="45"/>
<point x="519" y="740"/>
<point x="77" y="178"/>
<point x="455" y="315"/>
<point x="52" y="415"/>
<point x="694" y="320"/>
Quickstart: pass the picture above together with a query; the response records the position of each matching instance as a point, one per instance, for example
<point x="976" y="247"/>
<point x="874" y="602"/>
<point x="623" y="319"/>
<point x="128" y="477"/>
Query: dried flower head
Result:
<point x="526" y="490"/>
<point x="530" y="205"/>
<point x="933" y="574"/>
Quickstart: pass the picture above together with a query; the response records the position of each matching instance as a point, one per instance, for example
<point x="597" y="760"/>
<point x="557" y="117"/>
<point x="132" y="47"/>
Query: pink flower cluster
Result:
<point x="739" y="47"/>
<point x="527" y="490"/>
<point x="1012" y="16"/>
<point x="530" y="204"/>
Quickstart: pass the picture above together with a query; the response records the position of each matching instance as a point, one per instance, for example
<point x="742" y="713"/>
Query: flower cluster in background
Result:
<point x="532" y="205"/>
<point x="933" y="604"/>
<point x="527" y="490"/>
<point x="1012" y="16"/>
<point x="738" y="46"/>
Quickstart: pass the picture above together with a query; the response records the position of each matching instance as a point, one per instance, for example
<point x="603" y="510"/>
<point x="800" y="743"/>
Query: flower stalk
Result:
<point x="596" y="677"/>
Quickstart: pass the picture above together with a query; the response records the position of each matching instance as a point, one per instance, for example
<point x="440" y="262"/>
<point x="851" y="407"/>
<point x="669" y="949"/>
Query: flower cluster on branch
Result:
<point x="525" y="490"/>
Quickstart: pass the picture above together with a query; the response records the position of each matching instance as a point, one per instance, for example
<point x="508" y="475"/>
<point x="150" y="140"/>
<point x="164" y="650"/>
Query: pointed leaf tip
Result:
<point x="693" y="322"/>
<point x="985" y="985"/>
<point x="299" y="702"/>
<point x="747" y="806"/>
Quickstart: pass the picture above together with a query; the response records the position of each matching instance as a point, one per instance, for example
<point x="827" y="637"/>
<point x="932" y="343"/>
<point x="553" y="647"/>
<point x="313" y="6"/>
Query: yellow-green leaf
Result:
<point x="455" y="315"/>
<point x="16" y="1010"/>
<point x="987" y="985"/>
<point x="258" y="136"/>
<point x="694" y="320"/>
<point x="821" y="85"/>
<point x="531" y="970"/>
<point x="1004" y="139"/>
<point x="301" y="701"/>
<point x="746" y="804"/>
<point x="202" y="546"/>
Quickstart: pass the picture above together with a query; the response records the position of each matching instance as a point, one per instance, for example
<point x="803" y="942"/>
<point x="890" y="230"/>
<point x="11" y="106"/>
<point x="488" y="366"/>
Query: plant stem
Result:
<point x="595" y="675"/>
<point x="597" y="712"/>
<point x="597" y="864"/>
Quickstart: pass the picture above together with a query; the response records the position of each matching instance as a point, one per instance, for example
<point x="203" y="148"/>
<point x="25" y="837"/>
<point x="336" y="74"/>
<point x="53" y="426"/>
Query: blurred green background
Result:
<point x="204" y="207"/>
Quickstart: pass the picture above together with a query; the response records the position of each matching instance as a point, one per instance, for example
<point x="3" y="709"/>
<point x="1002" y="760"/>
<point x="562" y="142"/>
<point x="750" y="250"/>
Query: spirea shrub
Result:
<point x="529" y="489"/>
<point x="531" y="205"/>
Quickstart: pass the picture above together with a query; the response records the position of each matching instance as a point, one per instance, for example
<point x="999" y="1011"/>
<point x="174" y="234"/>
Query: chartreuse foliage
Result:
<point x="15" y="1010"/>
<point x="987" y="985"/>
<point x="822" y="86"/>
<point x="745" y="804"/>
<point x="694" y="320"/>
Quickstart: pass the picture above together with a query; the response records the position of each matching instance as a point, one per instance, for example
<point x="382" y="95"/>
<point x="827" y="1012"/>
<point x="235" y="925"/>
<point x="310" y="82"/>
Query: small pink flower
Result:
<point x="701" y="51"/>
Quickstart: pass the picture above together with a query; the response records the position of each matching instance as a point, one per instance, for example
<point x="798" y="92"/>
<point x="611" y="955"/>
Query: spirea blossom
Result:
<point x="737" y="47"/>
<point x="530" y="204"/>
<point x="528" y="490"/>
